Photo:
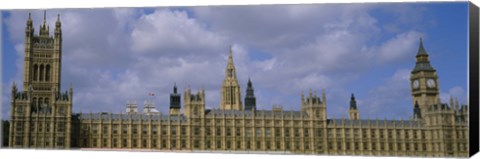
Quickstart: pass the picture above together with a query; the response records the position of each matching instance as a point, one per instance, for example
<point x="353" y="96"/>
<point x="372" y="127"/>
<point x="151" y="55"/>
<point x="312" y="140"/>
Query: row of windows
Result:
<point x="256" y="122"/>
<point x="41" y="73"/>
<point x="60" y="127"/>
<point x="40" y="141"/>
<point x="340" y="134"/>
<point x="270" y="145"/>
<point x="196" y="144"/>
<point x="42" y="55"/>
<point x="46" y="141"/>
<point x="378" y="146"/>
<point x="268" y="132"/>
<point x="267" y="122"/>
<point x="376" y="133"/>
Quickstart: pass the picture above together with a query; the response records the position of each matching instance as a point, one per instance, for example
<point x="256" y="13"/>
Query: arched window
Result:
<point x="41" y="73"/>
<point x="47" y="107"/>
<point x="39" y="105"/>
<point x="47" y="73"/>
<point x="47" y="101"/>
<point x="34" y="105"/>
<point x="35" y="72"/>
<point x="40" y="101"/>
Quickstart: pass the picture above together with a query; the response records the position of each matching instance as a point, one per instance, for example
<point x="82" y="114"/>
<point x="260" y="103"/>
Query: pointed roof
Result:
<point x="249" y="84"/>
<point x="421" y="49"/>
<point x="353" y="103"/>
<point x="44" y="28"/>
<point x="422" y="64"/>
<point x="230" y="69"/>
<point x="44" y="18"/>
<point x="175" y="88"/>
<point x="58" y="23"/>
<point x="230" y="59"/>
<point x="29" y="20"/>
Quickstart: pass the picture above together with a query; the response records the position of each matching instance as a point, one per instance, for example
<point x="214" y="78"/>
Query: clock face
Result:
<point x="430" y="83"/>
<point x="416" y="84"/>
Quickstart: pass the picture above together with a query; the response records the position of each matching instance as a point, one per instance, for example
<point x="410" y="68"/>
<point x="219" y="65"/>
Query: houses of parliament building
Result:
<point x="41" y="117"/>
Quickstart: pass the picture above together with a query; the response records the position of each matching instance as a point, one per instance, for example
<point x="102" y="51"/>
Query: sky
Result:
<point x="115" y="55"/>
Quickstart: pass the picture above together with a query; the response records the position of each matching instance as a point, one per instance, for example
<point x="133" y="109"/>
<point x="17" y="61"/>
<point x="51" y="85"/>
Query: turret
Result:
<point x="353" y="111"/>
<point x="417" y="114"/>
<point x="175" y="102"/>
<point x="250" y="100"/>
<point x="149" y="108"/>
<point x="324" y="98"/>
<point x="70" y="92"/>
<point x="131" y="107"/>
<point x="194" y="104"/>
<point x="44" y="29"/>
<point x="29" y="28"/>
<point x="456" y="104"/>
<point x="58" y="24"/>
<point x="58" y="32"/>
<point x="314" y="106"/>
<point x="40" y="95"/>
<point x="451" y="102"/>
<point x="29" y="31"/>
<point x="231" y="97"/>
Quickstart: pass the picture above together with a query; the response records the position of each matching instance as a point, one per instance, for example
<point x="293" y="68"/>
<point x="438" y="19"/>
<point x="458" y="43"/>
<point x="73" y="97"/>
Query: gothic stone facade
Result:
<point x="41" y="118"/>
<point x="40" y="113"/>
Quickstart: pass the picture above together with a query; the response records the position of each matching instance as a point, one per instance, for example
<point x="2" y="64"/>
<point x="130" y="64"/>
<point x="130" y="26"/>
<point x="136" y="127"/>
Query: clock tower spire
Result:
<point x="424" y="81"/>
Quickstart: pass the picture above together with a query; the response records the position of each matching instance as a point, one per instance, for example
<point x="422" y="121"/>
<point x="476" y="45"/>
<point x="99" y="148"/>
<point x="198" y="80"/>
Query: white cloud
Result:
<point x="390" y="99"/>
<point x="399" y="48"/>
<point x="169" y="31"/>
<point x="115" y="55"/>
<point x="455" y="92"/>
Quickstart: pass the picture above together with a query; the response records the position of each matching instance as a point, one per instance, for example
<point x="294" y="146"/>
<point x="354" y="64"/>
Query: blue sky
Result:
<point x="114" y="55"/>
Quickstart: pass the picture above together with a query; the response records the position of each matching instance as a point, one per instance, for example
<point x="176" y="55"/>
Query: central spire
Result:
<point x="230" y="70"/>
<point x="231" y="97"/>
<point x="44" y="18"/>
<point x="44" y="31"/>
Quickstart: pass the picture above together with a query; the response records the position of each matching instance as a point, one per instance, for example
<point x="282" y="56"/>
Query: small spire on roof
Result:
<point x="421" y="49"/>
<point x="44" y="17"/>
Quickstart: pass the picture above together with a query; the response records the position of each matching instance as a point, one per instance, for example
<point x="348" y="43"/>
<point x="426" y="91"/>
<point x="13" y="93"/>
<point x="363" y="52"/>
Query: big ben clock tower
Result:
<point x="424" y="81"/>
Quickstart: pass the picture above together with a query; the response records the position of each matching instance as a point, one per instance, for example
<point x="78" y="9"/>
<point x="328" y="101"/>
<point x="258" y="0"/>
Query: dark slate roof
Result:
<point x="371" y="122"/>
<point x="353" y="103"/>
<point x="421" y="50"/>
<point x="257" y="113"/>
<point x="423" y="66"/>
<point x="133" y="117"/>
